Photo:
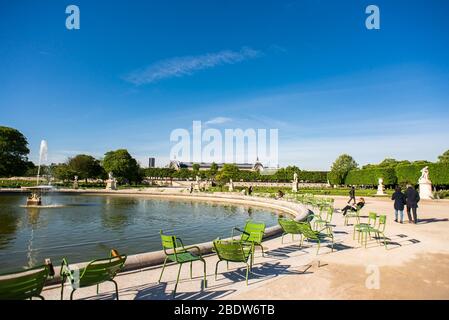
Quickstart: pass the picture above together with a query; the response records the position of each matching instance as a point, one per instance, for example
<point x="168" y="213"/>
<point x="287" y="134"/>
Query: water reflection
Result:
<point x="89" y="225"/>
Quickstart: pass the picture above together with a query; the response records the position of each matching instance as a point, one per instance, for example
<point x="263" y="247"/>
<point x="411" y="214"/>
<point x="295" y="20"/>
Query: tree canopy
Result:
<point x="85" y="167"/>
<point x="444" y="158"/>
<point x="13" y="152"/>
<point x="340" y="169"/>
<point x="124" y="167"/>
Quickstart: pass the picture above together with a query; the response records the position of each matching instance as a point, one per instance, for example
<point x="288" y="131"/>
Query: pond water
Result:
<point x="86" y="227"/>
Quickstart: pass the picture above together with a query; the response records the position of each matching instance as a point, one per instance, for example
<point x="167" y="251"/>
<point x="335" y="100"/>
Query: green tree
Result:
<point x="444" y="158"/>
<point x="13" y="152"/>
<point x="85" y="167"/>
<point x="340" y="169"/>
<point x="124" y="167"/>
<point x="63" y="172"/>
<point x="229" y="171"/>
<point x="196" y="168"/>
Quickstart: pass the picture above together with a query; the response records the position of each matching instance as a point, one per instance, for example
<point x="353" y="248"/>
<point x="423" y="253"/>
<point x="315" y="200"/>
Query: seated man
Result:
<point x="359" y="205"/>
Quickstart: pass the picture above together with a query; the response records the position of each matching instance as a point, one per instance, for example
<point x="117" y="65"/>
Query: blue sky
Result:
<point x="137" y="70"/>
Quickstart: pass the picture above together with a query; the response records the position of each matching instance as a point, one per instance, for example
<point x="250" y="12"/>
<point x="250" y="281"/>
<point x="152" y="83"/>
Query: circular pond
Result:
<point x="85" y="227"/>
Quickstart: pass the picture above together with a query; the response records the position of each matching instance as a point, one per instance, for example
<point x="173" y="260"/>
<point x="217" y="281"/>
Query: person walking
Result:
<point x="399" y="203"/>
<point x="352" y="195"/>
<point x="412" y="199"/>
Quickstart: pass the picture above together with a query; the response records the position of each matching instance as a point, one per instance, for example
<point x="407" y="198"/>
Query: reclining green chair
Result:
<point x="24" y="284"/>
<point x="176" y="252"/>
<point x="252" y="234"/>
<point x="309" y="234"/>
<point x="289" y="226"/>
<point x="96" y="272"/>
<point x="233" y="251"/>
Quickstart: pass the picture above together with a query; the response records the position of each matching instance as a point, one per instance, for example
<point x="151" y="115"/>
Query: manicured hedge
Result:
<point x="370" y="177"/>
<point x="439" y="173"/>
<point x="408" y="173"/>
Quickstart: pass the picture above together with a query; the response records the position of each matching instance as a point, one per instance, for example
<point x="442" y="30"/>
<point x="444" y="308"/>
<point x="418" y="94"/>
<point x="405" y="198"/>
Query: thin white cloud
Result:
<point x="183" y="66"/>
<point x="218" y="120"/>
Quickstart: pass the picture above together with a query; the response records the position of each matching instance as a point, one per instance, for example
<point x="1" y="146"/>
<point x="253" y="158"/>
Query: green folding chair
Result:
<point x="24" y="284"/>
<point x="233" y="251"/>
<point x="352" y="214"/>
<point x="176" y="252"/>
<point x="96" y="272"/>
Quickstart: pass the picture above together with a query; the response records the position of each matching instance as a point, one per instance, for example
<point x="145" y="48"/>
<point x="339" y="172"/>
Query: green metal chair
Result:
<point x="176" y="252"/>
<point x="319" y="236"/>
<point x="320" y="222"/>
<point x="233" y="251"/>
<point x="359" y="227"/>
<point x="380" y="229"/>
<point x="96" y="272"/>
<point x="24" y="284"/>
<point x="353" y="214"/>
<point x="289" y="226"/>
<point x="252" y="234"/>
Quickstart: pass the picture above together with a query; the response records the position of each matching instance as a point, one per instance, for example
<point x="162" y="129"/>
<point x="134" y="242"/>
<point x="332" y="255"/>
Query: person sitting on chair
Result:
<point x="359" y="205"/>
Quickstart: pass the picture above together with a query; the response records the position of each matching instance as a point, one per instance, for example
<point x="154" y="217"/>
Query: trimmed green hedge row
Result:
<point x="281" y="175"/>
<point x="439" y="175"/>
<point x="370" y="177"/>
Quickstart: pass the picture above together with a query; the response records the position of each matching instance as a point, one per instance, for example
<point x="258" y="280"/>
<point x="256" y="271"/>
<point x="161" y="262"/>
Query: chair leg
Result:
<point x="98" y="288"/>
<point x="282" y="238"/>
<point x="302" y="239"/>
<point x="62" y="288"/>
<point x="205" y="273"/>
<point x="227" y="265"/>
<point x="177" y="280"/>
<point x="163" y="268"/>
<point x="216" y="268"/>
<point x="261" y="247"/>
<point x="71" y="294"/>
<point x="247" y="272"/>
<point x="191" y="269"/>
<point x="318" y="249"/>
<point x="116" y="289"/>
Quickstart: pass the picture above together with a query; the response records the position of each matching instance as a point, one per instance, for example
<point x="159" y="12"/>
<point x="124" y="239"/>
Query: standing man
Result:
<point x="352" y="195"/>
<point x="412" y="199"/>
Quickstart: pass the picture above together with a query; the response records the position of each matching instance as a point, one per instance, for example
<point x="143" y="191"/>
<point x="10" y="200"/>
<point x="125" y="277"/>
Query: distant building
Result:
<point x="178" y="165"/>
<point x="151" y="162"/>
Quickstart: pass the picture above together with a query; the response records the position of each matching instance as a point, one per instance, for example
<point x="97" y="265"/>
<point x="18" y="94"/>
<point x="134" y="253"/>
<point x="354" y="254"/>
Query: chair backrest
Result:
<point x="382" y="223"/>
<point x="372" y="218"/>
<point x="23" y="284"/>
<point x="230" y="250"/>
<point x="307" y="231"/>
<point x="169" y="244"/>
<point x="253" y="232"/>
<point x="288" y="225"/>
<point x="101" y="270"/>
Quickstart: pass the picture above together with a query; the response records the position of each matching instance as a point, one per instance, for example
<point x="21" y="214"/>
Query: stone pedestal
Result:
<point x="231" y="186"/>
<point x="111" y="184"/>
<point x="425" y="190"/>
<point x="295" y="186"/>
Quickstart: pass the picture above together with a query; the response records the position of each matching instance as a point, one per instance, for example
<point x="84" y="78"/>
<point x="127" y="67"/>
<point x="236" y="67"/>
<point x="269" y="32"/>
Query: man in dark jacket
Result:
<point x="399" y="203"/>
<point x="352" y="195"/>
<point x="412" y="199"/>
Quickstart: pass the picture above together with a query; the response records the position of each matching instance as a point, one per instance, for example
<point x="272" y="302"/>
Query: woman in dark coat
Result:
<point x="399" y="203"/>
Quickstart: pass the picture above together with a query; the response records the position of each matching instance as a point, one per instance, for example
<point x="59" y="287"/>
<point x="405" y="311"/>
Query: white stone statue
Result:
<point x="197" y="184"/>
<point x="295" y="183"/>
<point x="231" y="185"/>
<point x="380" y="187"/>
<point x="75" y="182"/>
<point x="425" y="185"/>
<point x="424" y="175"/>
<point x="111" y="183"/>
